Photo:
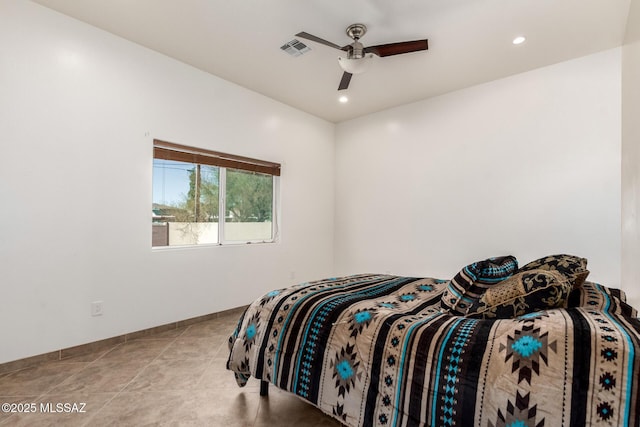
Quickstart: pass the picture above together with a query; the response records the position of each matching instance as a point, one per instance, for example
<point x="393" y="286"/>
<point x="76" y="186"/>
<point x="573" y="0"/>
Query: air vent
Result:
<point x="295" y="48"/>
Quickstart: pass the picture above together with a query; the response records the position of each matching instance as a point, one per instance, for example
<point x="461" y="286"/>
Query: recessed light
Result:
<point x="343" y="99"/>
<point x="519" y="40"/>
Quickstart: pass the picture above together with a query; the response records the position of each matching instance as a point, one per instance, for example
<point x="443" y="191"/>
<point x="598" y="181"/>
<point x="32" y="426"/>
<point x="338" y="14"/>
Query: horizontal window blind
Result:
<point x="182" y="153"/>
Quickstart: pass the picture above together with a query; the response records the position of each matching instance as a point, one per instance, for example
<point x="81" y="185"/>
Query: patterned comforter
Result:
<point x="375" y="350"/>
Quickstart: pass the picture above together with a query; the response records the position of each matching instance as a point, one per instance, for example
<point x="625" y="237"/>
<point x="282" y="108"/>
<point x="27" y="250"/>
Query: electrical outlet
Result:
<point x="96" y="308"/>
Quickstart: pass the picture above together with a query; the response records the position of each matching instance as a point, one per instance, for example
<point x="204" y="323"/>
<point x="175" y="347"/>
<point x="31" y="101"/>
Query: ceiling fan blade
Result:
<point x="398" y="48"/>
<point x="316" y="39"/>
<point x="344" y="81"/>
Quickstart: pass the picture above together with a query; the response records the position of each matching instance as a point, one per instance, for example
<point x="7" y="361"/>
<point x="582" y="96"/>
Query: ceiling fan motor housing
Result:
<point x="356" y="51"/>
<point x="355" y="31"/>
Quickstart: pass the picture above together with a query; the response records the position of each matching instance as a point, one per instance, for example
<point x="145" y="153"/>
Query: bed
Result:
<point x="380" y="350"/>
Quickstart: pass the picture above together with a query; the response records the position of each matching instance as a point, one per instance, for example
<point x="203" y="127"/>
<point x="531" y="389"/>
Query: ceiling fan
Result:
<point x="357" y="60"/>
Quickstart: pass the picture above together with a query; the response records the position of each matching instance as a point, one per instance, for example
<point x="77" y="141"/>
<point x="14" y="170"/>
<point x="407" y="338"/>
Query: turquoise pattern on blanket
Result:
<point x="526" y="346"/>
<point x="344" y="370"/>
<point x="387" y="305"/>
<point x="407" y="297"/>
<point x="318" y="321"/>
<point x="362" y="317"/>
<point x="251" y="331"/>
<point x="450" y="372"/>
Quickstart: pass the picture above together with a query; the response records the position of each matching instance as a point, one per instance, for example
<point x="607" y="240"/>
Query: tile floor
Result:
<point x="173" y="378"/>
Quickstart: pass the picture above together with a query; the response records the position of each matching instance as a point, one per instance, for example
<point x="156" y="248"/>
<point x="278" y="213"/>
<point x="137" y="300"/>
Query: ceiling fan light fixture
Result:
<point x="355" y="66"/>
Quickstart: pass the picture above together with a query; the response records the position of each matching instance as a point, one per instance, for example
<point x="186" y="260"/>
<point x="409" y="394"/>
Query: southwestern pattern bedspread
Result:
<point x="376" y="350"/>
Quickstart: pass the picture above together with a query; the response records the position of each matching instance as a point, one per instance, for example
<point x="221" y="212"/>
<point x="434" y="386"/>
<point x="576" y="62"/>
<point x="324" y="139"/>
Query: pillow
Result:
<point x="572" y="267"/>
<point x="601" y="298"/>
<point x="523" y="293"/>
<point x="471" y="282"/>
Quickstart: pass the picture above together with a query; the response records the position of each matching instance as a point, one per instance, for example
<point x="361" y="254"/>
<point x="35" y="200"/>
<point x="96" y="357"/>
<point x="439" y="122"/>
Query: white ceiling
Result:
<point x="469" y="42"/>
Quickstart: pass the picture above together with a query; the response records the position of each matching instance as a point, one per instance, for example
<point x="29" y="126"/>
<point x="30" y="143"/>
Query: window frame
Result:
<point x="165" y="150"/>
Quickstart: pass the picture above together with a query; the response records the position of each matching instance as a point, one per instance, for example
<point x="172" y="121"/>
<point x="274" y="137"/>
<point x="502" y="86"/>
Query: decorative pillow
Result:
<point x="471" y="282"/>
<point x="523" y="293"/>
<point x="601" y="298"/>
<point x="572" y="267"/>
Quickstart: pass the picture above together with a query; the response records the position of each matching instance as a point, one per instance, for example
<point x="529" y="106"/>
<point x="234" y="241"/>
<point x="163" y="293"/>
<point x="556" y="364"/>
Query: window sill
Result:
<point x="210" y="245"/>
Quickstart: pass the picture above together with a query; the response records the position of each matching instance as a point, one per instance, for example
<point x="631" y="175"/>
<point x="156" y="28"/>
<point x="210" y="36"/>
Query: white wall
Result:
<point x="527" y="165"/>
<point x="631" y="156"/>
<point x="79" y="109"/>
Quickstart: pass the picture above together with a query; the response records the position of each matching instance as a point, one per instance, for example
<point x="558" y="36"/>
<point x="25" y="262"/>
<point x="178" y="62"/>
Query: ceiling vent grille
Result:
<point x="295" y="48"/>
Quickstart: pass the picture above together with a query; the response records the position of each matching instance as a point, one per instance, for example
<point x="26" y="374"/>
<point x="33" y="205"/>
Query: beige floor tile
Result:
<point x="169" y="374"/>
<point x="172" y="408"/>
<point x="284" y="409"/>
<point x="211" y="408"/>
<point x="102" y="376"/>
<point x="192" y="348"/>
<point x="37" y="379"/>
<point x="172" y="378"/>
<point x="147" y="350"/>
<point x="218" y="377"/>
<point x="90" y="351"/>
<point x="88" y="357"/>
<point x="209" y="329"/>
<point x="139" y="409"/>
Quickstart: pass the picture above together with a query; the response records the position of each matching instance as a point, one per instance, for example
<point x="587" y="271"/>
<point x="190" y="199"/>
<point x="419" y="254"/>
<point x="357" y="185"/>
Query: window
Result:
<point x="206" y="197"/>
